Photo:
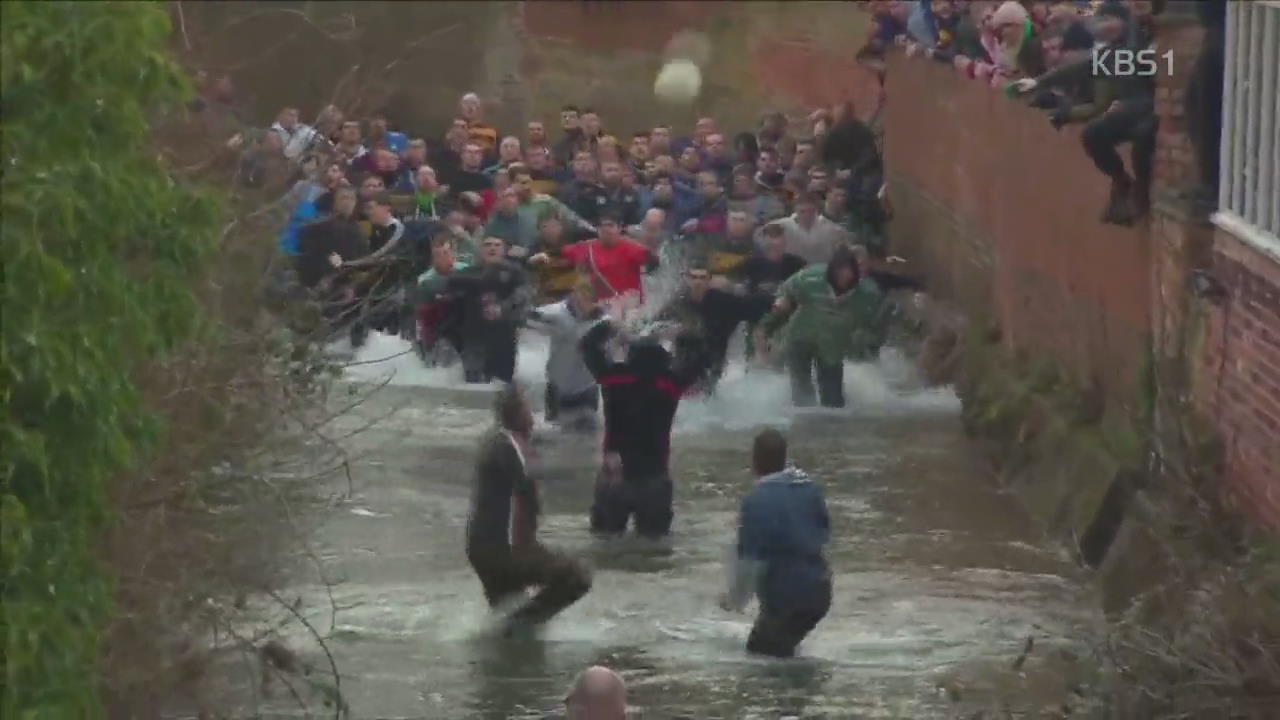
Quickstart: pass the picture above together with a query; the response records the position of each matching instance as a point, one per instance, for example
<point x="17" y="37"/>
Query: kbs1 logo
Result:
<point x="1123" y="62"/>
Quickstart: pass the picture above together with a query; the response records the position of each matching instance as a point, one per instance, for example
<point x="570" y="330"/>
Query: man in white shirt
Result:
<point x="809" y="235"/>
<point x="295" y="137"/>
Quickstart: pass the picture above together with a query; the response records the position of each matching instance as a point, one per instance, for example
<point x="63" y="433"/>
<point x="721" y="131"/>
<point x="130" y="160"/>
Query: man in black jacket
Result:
<point x="640" y="400"/>
<point x="712" y="315"/>
<point x="494" y="296"/>
<point x="502" y="544"/>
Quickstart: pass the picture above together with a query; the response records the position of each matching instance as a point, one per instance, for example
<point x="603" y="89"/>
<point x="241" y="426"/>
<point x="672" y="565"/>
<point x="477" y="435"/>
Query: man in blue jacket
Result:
<point x="781" y="533"/>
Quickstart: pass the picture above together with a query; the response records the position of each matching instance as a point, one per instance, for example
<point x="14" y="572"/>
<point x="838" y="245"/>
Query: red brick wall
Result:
<point x="1231" y="364"/>
<point x="1001" y="213"/>
<point x="1238" y="386"/>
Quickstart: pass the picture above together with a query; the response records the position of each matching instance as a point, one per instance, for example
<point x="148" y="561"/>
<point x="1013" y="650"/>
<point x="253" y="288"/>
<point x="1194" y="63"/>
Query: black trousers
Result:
<point x="489" y="356"/>
<point x="802" y="360"/>
<point x="504" y="572"/>
<point x="777" y="631"/>
<point x="649" y="500"/>
<point x="1133" y="121"/>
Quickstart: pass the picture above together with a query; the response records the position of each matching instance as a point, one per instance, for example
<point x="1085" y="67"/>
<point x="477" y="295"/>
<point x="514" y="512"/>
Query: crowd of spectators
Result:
<point x="365" y="191"/>
<point x="1044" y="50"/>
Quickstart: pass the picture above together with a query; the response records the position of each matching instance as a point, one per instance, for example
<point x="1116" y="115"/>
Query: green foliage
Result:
<point x="101" y="247"/>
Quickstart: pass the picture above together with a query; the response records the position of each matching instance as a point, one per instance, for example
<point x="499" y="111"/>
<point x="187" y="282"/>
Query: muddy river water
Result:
<point x="939" y="578"/>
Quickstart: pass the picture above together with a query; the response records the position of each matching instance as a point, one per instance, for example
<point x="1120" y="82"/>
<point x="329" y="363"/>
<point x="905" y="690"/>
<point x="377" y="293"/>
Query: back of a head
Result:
<point x="769" y="452"/>
<point x="646" y="356"/>
<point x="597" y="693"/>
<point x="510" y="409"/>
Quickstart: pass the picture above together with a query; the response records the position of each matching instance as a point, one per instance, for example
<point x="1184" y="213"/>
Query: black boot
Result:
<point x="1119" y="211"/>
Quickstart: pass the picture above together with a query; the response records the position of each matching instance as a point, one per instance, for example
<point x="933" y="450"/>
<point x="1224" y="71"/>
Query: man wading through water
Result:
<point x="782" y="529"/>
<point x="832" y="316"/>
<point x="502" y="528"/>
<point x="640" y="400"/>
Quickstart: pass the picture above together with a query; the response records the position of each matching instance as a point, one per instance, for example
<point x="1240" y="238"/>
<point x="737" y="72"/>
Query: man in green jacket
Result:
<point x="833" y="315"/>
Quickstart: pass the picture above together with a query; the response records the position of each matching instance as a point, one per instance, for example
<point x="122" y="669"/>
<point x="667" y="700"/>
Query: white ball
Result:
<point x="678" y="82"/>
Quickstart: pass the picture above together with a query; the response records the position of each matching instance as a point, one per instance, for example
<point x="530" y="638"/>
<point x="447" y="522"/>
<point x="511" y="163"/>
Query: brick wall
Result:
<point x="1238" y="384"/>
<point x="1001" y="213"/>
<point x="1220" y="358"/>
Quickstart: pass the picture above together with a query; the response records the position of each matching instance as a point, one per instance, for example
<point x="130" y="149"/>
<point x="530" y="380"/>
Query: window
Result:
<point x="1249" y="196"/>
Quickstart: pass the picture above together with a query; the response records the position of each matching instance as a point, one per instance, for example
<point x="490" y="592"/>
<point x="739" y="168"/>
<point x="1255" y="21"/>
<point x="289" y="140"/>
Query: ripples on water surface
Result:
<point x="939" y="578"/>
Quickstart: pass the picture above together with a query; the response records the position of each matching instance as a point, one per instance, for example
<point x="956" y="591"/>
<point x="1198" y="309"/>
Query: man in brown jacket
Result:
<point x="502" y="543"/>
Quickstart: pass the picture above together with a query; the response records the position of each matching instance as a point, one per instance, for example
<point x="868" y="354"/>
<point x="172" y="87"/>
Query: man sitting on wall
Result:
<point x="1122" y="109"/>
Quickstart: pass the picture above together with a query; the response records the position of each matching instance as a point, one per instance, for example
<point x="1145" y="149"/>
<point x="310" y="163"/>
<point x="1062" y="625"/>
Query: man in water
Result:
<point x="613" y="262"/>
<point x="712" y="315"/>
<point x="781" y="532"/>
<point x="494" y="296"/>
<point x="437" y="313"/>
<point x="571" y="389"/>
<point x="502" y="528"/>
<point x="598" y="693"/>
<point x="832" y="316"/>
<point x="640" y="400"/>
<point x="763" y="273"/>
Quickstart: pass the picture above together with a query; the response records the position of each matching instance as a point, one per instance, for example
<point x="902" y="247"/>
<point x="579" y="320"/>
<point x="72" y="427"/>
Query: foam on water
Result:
<point x="745" y="397"/>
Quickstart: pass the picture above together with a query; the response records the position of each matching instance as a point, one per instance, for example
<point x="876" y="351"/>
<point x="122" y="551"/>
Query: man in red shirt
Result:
<point x="612" y="262"/>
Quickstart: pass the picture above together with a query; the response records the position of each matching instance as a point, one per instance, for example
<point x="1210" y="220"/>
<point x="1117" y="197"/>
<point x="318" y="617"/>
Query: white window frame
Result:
<point x="1249" y="161"/>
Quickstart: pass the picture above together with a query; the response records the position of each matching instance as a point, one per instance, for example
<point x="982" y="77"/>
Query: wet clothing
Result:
<point x="640" y="400"/>
<point x="824" y="329"/>
<point x="648" y="499"/>
<point x="836" y="325"/>
<point x="493" y="301"/>
<point x="566" y="369"/>
<point x="615" y="269"/>
<point x="713" y="319"/>
<point x="764" y="276"/>
<point x="438" y="315"/>
<point x="502" y="541"/>
<point x="782" y="530"/>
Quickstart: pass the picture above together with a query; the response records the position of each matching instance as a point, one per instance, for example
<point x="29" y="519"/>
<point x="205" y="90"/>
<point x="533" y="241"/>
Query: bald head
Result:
<point x="654" y="219"/>
<point x="598" y="693"/>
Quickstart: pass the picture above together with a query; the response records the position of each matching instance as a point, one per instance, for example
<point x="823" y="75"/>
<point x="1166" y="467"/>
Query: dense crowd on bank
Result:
<point x="1063" y="55"/>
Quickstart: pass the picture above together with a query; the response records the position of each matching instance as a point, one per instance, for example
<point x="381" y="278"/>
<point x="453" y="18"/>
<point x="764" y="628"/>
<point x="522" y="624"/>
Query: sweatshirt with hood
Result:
<point x="837" y="324"/>
<point x="782" y="530"/>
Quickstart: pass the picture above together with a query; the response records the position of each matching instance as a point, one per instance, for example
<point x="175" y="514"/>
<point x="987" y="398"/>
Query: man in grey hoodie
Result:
<point x="781" y="533"/>
<point x="571" y="388"/>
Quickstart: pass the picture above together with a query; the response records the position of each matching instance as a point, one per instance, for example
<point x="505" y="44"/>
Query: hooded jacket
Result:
<point x="640" y="398"/>
<point x="839" y="325"/>
<point x="782" y="529"/>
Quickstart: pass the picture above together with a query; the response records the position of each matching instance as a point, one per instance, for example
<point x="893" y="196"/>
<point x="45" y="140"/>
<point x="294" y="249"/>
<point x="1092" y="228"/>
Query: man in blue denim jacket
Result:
<point x="781" y="533"/>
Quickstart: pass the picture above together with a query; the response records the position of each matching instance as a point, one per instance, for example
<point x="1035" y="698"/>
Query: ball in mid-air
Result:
<point x="678" y="82"/>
